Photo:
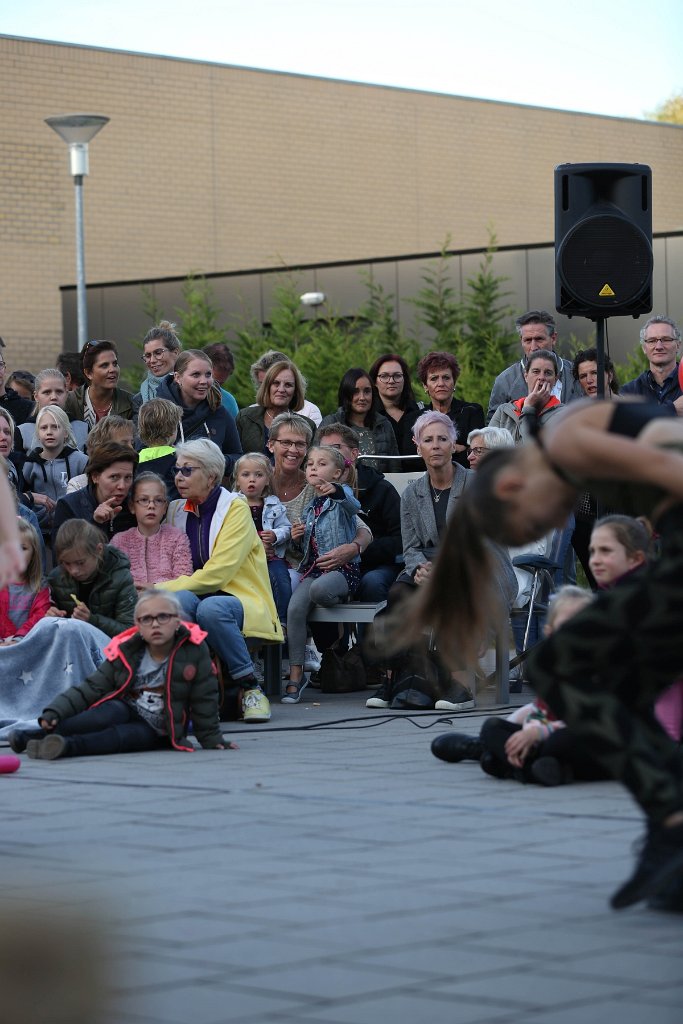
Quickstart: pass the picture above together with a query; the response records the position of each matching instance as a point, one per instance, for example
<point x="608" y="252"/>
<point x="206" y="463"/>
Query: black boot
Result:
<point x="18" y="738"/>
<point x="456" y="746"/>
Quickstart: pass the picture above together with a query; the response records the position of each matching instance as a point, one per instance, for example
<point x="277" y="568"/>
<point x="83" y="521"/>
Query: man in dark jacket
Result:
<point x="380" y="509"/>
<point x="660" y="339"/>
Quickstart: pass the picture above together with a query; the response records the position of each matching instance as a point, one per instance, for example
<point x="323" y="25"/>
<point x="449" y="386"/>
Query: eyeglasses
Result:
<point x="184" y="470"/>
<point x="386" y="377"/>
<point x="151" y="501"/>
<point x="298" y="446"/>
<point x="161" y="619"/>
<point x="665" y="341"/>
<point x="156" y="354"/>
<point x="477" y="451"/>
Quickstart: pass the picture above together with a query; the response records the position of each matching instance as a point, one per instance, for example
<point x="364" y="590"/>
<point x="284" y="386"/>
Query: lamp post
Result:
<point x="77" y="130"/>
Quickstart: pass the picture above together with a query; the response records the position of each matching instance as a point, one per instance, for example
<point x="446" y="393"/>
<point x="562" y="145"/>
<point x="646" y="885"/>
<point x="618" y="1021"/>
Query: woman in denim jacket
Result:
<point x="329" y="520"/>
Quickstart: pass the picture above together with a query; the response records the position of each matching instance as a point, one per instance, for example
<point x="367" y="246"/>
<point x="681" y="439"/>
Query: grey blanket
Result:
<point x="56" y="654"/>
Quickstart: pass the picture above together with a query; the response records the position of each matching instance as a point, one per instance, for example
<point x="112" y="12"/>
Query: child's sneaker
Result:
<point x="255" y="705"/>
<point x="48" y="749"/>
<point x="312" y="658"/>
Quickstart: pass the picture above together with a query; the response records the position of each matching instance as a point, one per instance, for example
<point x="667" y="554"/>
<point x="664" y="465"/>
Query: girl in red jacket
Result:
<point x="25" y="601"/>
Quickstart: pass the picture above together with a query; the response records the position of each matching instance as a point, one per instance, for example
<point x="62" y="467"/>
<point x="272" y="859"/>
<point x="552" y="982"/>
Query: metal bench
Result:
<point x="353" y="611"/>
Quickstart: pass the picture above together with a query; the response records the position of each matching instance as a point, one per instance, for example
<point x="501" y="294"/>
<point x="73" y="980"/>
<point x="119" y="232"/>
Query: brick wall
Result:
<point x="214" y="168"/>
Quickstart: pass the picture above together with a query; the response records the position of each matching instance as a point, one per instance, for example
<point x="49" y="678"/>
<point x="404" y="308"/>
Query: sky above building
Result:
<point x="617" y="58"/>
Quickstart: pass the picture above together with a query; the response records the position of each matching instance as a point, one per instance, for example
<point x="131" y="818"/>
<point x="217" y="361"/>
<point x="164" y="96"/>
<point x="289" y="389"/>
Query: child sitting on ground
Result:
<point x="157" y="552"/>
<point x="619" y="546"/>
<point x="158" y="422"/>
<point x="253" y="476"/>
<point x="157" y="676"/>
<point x="531" y="744"/>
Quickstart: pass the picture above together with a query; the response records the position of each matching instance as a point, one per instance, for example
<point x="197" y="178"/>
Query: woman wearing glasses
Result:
<point x="228" y="591"/>
<point x="439" y="372"/>
<point x="281" y="390"/>
<point x="101" y="395"/>
<point x="391" y="377"/>
<point x="192" y="387"/>
<point x="160" y="350"/>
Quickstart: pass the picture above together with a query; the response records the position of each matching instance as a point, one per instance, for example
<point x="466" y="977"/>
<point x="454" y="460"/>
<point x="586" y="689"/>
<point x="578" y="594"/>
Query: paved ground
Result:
<point x="339" y="875"/>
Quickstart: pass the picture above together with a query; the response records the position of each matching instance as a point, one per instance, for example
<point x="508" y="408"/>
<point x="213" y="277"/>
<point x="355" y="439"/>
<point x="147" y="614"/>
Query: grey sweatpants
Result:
<point x="327" y="590"/>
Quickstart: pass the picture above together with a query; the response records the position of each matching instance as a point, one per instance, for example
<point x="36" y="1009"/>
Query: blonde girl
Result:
<point x="329" y="520"/>
<point x="253" y="476"/>
<point x="53" y="462"/>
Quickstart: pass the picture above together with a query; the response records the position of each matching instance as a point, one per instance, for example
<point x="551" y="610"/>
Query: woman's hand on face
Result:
<point x="107" y="511"/>
<point x="538" y="396"/>
<point x="422" y="572"/>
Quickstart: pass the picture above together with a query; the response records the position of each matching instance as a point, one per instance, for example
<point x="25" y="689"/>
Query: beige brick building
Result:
<point x="218" y="169"/>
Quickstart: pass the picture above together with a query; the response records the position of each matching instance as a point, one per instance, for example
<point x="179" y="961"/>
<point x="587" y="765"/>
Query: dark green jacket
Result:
<point x="191" y="690"/>
<point x="122" y="404"/>
<point x="251" y="425"/>
<point x="112" y="599"/>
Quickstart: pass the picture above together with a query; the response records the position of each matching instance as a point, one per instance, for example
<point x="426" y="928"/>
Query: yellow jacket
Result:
<point x="237" y="564"/>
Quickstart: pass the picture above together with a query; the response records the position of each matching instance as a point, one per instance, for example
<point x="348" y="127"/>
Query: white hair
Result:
<point x="206" y="454"/>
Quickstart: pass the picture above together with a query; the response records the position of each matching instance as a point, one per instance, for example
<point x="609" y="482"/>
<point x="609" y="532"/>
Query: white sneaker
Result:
<point x="312" y="658"/>
<point x="467" y="704"/>
<point x="376" y="702"/>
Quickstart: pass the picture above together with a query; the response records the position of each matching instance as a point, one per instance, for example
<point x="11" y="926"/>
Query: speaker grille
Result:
<point x="605" y="250"/>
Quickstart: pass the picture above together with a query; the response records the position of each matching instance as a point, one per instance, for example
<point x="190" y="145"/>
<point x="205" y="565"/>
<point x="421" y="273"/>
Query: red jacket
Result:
<point x="41" y="603"/>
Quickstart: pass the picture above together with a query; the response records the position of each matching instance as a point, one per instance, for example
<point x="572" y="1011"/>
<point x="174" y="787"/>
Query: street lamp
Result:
<point x="77" y="130"/>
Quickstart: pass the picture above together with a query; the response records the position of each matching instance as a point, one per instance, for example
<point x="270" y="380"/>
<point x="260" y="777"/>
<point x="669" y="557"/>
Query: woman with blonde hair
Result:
<point x="281" y="390"/>
<point x="192" y="387"/>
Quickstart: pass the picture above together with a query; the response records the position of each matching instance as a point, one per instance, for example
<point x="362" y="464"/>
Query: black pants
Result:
<point x="111" y="728"/>
<point x="603" y="670"/>
<point x="562" y="745"/>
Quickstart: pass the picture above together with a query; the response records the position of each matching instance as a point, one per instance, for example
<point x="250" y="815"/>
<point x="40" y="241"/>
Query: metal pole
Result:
<point x="81" y="305"/>
<point x="600" y="347"/>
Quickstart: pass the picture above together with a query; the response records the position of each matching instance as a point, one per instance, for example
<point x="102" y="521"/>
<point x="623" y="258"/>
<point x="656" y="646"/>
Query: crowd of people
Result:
<point x="165" y="538"/>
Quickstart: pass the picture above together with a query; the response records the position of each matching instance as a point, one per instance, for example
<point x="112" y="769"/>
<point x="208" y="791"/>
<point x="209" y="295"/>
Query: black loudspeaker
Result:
<point x="603" y="239"/>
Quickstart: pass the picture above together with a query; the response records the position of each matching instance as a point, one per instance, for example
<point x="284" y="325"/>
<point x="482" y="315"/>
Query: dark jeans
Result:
<point x="111" y="728"/>
<point x="281" y="585"/>
<point x="561" y="744"/>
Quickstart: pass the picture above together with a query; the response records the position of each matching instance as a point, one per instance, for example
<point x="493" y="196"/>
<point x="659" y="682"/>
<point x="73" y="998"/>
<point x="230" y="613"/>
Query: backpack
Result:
<point x="418" y="681"/>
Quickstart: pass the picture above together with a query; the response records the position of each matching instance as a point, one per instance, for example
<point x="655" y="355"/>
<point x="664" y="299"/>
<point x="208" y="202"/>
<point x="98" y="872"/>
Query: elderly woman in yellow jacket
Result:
<point x="229" y="593"/>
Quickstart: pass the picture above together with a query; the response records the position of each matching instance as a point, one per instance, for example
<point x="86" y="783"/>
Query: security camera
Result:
<point x="313" y="298"/>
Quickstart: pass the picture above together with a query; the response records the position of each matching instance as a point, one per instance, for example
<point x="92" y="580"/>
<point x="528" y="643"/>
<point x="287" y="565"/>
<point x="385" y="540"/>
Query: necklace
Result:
<point x="437" y="494"/>
<point x="284" y="492"/>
